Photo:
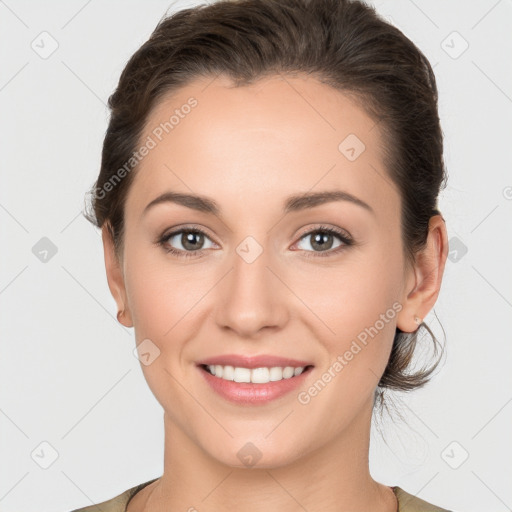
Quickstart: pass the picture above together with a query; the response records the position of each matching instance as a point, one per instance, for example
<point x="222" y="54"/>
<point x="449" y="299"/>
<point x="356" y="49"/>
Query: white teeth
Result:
<point x="288" y="372"/>
<point x="242" y="375"/>
<point x="276" y="373"/>
<point x="254" y="375"/>
<point x="227" y="372"/>
<point x="260" y="375"/>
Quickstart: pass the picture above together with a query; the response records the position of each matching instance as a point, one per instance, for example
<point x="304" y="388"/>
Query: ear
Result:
<point x="115" y="276"/>
<point x="424" y="281"/>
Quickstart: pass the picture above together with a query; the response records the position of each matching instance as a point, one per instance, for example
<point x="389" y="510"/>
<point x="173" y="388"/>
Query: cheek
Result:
<point x="150" y="297"/>
<point x="164" y="297"/>
<point x="153" y="287"/>
<point x="360" y="305"/>
<point x="163" y="303"/>
<point x="361" y="308"/>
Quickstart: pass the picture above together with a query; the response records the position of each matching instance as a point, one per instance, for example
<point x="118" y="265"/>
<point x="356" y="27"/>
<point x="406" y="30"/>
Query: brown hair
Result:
<point x="343" y="43"/>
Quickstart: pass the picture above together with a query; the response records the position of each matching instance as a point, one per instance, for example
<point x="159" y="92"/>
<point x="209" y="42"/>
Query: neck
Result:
<point x="332" y="478"/>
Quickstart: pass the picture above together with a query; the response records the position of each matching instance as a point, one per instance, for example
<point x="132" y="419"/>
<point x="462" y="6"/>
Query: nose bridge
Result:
<point x="250" y="299"/>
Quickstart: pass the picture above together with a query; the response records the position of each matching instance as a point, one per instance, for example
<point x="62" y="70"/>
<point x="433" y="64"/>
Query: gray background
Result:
<point x="78" y="423"/>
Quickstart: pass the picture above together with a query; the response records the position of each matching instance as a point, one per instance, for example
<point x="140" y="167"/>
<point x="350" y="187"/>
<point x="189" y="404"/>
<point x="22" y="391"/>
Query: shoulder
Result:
<point x="116" y="504"/>
<point x="410" y="503"/>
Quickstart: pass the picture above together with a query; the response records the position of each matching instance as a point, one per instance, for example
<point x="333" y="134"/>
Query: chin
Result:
<point x="246" y="454"/>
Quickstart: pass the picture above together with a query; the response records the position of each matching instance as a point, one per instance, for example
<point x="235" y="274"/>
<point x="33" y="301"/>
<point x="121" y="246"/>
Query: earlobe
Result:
<point x="428" y="272"/>
<point x="115" y="277"/>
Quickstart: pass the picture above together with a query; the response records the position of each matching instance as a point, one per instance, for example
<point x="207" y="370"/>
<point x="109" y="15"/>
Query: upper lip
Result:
<point x="263" y="360"/>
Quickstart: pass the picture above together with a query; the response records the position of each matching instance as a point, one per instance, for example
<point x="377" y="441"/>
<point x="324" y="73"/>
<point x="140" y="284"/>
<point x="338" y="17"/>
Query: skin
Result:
<point x="250" y="148"/>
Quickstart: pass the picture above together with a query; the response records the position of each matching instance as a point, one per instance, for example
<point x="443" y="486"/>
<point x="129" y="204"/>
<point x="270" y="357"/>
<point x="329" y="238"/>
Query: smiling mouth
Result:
<point x="262" y="375"/>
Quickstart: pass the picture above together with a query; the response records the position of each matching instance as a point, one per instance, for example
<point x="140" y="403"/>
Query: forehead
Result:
<point x="278" y="136"/>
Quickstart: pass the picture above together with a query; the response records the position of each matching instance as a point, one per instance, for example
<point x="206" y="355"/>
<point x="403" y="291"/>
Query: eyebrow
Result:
<point x="293" y="203"/>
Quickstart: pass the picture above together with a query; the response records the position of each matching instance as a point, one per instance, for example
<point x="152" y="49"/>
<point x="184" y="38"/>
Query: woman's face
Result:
<point x="261" y="280"/>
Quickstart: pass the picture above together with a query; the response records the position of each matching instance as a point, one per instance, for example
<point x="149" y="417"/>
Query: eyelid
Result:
<point x="323" y="227"/>
<point x="185" y="227"/>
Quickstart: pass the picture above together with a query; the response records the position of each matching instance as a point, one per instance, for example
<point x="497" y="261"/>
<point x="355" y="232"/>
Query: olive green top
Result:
<point x="406" y="502"/>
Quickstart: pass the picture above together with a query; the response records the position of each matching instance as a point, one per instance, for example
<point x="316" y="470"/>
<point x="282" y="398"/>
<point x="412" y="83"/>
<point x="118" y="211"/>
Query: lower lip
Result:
<point x="253" y="394"/>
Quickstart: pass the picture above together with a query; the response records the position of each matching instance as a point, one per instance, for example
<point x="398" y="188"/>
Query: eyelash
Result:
<point x="345" y="238"/>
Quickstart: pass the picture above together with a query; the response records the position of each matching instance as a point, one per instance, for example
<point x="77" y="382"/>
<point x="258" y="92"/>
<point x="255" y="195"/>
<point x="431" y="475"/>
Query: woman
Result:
<point x="268" y="205"/>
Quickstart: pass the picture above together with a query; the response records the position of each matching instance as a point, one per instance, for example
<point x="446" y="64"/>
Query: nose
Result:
<point x="252" y="298"/>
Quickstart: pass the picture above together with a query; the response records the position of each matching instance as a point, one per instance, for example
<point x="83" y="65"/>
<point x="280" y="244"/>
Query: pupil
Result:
<point x="189" y="239"/>
<point x="319" y="239"/>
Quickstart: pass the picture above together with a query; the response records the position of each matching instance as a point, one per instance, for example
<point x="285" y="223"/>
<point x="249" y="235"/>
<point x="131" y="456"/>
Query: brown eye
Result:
<point x="322" y="240"/>
<point x="187" y="241"/>
<point x="191" y="240"/>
